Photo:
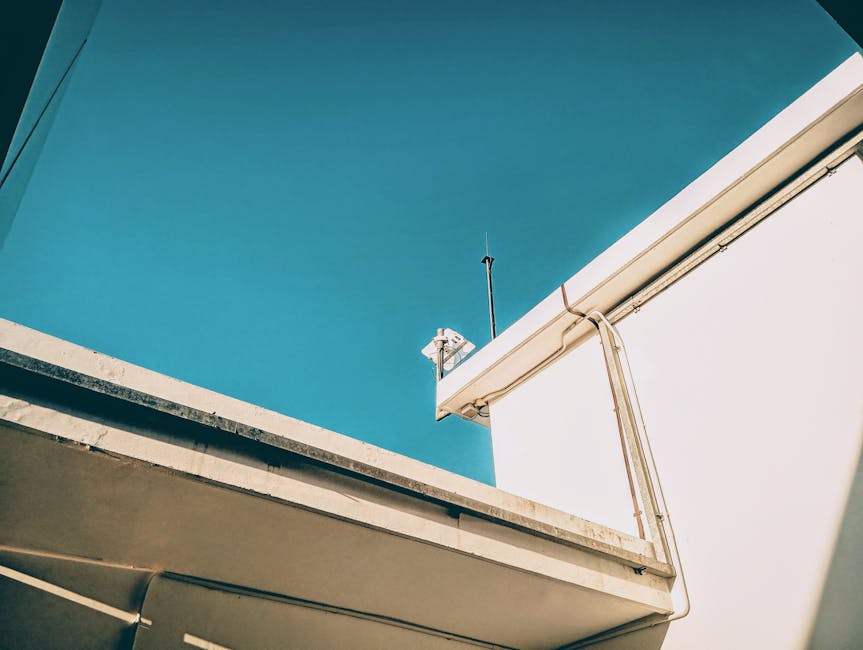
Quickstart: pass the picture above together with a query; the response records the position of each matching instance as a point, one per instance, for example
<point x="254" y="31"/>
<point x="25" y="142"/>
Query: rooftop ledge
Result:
<point x="120" y="443"/>
<point x="827" y="116"/>
<point x="52" y="357"/>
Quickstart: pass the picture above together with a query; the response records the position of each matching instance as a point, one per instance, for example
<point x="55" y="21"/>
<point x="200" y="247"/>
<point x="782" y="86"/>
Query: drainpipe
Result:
<point x="657" y="501"/>
<point x="626" y="422"/>
<point x="482" y="402"/>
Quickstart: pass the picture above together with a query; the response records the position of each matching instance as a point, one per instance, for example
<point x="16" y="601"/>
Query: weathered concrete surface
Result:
<point x="41" y="354"/>
<point x="349" y="543"/>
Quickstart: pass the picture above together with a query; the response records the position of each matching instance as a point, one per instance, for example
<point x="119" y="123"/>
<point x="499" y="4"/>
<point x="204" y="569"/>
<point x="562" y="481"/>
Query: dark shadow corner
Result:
<point x="838" y="623"/>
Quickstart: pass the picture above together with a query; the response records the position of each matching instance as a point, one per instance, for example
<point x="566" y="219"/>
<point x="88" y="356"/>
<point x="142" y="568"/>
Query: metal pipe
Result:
<point x="439" y="340"/>
<point x="628" y="428"/>
<point x="663" y="518"/>
<point x="488" y="260"/>
<point x="619" y="412"/>
<point x="542" y="364"/>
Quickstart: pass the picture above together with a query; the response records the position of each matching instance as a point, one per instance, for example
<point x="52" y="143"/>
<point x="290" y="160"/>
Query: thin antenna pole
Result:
<point x="488" y="260"/>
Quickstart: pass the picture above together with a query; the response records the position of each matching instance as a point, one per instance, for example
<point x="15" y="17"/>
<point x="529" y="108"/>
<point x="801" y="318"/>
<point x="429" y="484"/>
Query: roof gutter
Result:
<point x="796" y="148"/>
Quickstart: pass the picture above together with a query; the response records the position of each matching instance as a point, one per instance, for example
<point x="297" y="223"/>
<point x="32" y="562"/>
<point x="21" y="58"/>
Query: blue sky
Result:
<point x="281" y="201"/>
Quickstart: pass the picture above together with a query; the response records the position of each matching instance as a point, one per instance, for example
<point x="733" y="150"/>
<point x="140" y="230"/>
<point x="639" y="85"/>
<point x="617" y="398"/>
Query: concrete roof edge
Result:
<point x="818" y="119"/>
<point x="49" y="356"/>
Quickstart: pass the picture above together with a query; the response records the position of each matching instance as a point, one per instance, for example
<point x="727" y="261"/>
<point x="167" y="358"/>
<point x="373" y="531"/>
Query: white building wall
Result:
<point x="750" y="373"/>
<point x="556" y="441"/>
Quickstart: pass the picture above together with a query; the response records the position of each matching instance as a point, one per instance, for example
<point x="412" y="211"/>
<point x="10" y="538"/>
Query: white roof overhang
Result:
<point x="818" y="129"/>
